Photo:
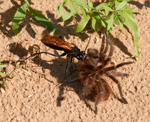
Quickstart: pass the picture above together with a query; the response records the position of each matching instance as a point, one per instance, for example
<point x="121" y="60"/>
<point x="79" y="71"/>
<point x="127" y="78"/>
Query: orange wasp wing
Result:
<point x="56" y="43"/>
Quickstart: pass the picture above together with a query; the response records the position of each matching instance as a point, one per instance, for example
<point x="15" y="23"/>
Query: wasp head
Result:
<point x="81" y="55"/>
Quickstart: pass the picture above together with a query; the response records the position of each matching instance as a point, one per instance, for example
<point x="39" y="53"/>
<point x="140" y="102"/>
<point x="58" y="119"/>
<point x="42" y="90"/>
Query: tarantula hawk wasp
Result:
<point x="71" y="50"/>
<point x="94" y="70"/>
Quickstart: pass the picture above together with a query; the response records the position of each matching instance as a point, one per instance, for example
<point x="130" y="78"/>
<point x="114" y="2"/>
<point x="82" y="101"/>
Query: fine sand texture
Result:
<point x="37" y="96"/>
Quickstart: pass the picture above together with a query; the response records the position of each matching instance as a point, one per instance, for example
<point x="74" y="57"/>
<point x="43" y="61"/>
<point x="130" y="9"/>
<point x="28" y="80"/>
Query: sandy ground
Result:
<point x="38" y="97"/>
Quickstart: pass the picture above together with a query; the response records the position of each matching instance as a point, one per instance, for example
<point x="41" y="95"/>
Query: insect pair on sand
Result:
<point x="95" y="66"/>
<point x="69" y="49"/>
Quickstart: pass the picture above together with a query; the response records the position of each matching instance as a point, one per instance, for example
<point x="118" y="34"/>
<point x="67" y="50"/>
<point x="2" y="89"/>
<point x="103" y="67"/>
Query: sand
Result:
<point x="38" y="97"/>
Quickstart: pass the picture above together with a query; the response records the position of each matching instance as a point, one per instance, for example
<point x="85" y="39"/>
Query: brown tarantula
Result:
<point x="95" y="68"/>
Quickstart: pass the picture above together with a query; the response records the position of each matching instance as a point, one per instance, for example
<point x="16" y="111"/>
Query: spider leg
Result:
<point x="92" y="61"/>
<point x="115" y="73"/>
<point x="117" y="66"/>
<point x="99" y="96"/>
<point x="106" y="47"/>
<point x="111" y="46"/>
<point x="124" y="63"/>
<point x="103" y="57"/>
<point x="88" y="84"/>
<point x="102" y="46"/>
<point x="123" y="100"/>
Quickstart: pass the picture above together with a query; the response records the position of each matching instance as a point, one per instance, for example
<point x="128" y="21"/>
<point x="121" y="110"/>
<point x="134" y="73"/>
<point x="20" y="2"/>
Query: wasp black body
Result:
<point x="69" y="49"/>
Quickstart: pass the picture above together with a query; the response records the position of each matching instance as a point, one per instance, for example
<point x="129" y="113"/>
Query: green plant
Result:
<point x="21" y="13"/>
<point x="4" y="76"/>
<point x="3" y="81"/>
<point x="104" y="14"/>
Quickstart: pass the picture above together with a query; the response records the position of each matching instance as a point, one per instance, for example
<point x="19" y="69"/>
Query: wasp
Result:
<point x="57" y="43"/>
<point x="71" y="50"/>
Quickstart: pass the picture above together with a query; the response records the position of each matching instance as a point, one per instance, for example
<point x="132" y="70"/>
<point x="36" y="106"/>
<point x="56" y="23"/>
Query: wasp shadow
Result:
<point x="57" y="69"/>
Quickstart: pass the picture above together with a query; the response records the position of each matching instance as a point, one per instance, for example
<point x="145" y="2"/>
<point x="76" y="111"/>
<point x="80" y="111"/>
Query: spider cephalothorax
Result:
<point x="94" y="70"/>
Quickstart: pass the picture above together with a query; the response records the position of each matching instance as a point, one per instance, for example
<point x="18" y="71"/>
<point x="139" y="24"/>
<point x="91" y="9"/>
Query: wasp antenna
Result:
<point x="88" y="43"/>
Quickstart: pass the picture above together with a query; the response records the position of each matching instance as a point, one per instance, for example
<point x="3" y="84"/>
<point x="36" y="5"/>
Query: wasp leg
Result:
<point x="71" y="67"/>
<point x="66" y="69"/>
<point x="63" y="54"/>
<point x="67" y="65"/>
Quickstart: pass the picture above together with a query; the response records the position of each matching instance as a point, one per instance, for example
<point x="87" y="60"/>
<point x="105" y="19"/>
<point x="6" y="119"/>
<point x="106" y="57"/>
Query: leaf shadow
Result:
<point x="120" y="45"/>
<point x="66" y="30"/>
<point x="139" y="5"/>
<point x="7" y="17"/>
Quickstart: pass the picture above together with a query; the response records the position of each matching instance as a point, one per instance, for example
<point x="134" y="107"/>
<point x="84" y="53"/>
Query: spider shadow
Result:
<point x="70" y="83"/>
<point x="64" y="84"/>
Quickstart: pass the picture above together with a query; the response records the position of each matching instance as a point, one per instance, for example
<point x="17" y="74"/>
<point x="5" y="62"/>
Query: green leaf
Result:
<point x="2" y="74"/>
<point x="42" y="19"/>
<point x="131" y="24"/>
<point x="2" y="90"/>
<point x="130" y="16"/>
<point x="100" y="19"/>
<point x="67" y="15"/>
<point x="81" y="25"/>
<point x="105" y="7"/>
<point x="25" y="71"/>
<point x="2" y="66"/>
<point x="6" y="83"/>
<point x="81" y="3"/>
<point x="1" y="82"/>
<point x="76" y="8"/>
<point x="83" y="11"/>
<point x="118" y="21"/>
<point x="133" y="28"/>
<point x="110" y="21"/>
<point x="70" y="7"/>
<point x="19" y="15"/>
<point x="26" y="1"/>
<point x="90" y="4"/>
<point x="95" y="25"/>
<point x="60" y="7"/>
<point x="121" y="5"/>
<point x="129" y="10"/>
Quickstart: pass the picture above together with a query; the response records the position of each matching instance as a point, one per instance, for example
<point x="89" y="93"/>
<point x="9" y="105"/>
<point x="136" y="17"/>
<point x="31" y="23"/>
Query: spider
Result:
<point x="94" y="70"/>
